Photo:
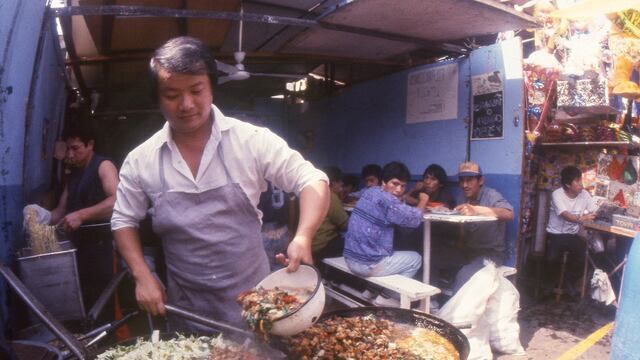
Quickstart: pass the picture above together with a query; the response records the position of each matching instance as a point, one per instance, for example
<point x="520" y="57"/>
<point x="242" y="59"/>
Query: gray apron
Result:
<point x="213" y="249"/>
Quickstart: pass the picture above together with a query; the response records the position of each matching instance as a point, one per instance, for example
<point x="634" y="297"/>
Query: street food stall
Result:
<point x="345" y="83"/>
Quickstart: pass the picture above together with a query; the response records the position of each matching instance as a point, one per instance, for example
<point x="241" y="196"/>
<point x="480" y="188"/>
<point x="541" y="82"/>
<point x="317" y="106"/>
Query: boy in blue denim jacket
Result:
<point x="369" y="238"/>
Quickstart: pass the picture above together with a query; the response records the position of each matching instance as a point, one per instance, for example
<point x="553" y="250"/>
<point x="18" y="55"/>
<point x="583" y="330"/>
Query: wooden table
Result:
<point x="426" y="237"/>
<point x="611" y="229"/>
<point x="616" y="230"/>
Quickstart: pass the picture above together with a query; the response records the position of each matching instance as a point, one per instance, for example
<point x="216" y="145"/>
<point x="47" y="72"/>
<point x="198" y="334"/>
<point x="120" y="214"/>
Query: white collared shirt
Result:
<point x="252" y="156"/>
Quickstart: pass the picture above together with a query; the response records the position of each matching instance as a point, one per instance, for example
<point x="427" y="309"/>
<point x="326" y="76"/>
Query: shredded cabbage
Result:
<point x="180" y="348"/>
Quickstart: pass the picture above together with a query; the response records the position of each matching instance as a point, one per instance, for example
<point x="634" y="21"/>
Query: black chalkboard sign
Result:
<point x="487" y="116"/>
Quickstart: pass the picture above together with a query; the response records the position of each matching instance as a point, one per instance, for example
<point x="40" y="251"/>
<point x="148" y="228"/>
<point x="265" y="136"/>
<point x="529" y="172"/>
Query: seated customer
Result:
<point x="371" y="176"/>
<point x="327" y="242"/>
<point x="368" y="249"/>
<point x="350" y="184"/>
<point x="571" y="205"/>
<point x="482" y="240"/>
<point x="275" y="218"/>
<point x="433" y="184"/>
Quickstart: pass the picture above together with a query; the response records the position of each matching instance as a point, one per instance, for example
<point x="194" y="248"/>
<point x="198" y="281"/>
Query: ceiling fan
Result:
<point x="238" y="71"/>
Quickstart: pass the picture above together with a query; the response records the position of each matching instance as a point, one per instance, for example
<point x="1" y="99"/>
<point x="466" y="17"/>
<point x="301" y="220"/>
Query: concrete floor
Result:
<point x="549" y="329"/>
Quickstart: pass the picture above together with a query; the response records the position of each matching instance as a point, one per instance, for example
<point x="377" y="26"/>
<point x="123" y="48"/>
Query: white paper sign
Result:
<point x="432" y="94"/>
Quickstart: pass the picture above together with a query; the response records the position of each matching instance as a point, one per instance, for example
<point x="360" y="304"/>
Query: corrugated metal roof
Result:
<point x="385" y="35"/>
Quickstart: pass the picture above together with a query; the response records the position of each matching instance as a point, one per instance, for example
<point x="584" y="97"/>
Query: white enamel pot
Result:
<point x="308" y="313"/>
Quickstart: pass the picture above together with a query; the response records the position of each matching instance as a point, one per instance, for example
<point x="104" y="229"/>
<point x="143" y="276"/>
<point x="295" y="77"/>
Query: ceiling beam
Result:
<point x="251" y="58"/>
<point x="147" y="11"/>
<point x="304" y="14"/>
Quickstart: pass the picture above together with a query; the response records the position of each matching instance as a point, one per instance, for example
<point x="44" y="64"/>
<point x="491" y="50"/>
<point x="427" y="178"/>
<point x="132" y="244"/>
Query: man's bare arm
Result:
<point x="500" y="213"/>
<point x="314" y="204"/>
<point x="102" y="210"/>
<point x="58" y="213"/>
<point x="150" y="293"/>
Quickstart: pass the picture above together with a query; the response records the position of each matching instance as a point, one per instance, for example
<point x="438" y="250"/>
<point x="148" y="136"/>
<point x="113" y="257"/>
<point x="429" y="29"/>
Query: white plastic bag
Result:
<point x="42" y="215"/>
<point x="478" y="336"/>
<point x="502" y="316"/>
<point x="601" y="289"/>
<point x="468" y="305"/>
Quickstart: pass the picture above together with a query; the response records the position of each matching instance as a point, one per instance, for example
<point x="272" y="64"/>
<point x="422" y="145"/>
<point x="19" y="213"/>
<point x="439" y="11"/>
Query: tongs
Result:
<point x="203" y="320"/>
<point x="61" y="231"/>
<point x="102" y="331"/>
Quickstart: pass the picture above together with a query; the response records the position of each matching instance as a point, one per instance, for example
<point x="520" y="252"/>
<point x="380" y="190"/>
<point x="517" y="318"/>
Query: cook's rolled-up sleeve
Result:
<point x="131" y="201"/>
<point x="283" y="166"/>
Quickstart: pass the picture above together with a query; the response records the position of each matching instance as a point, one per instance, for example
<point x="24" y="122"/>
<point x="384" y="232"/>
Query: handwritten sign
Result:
<point x="487" y="116"/>
<point x="432" y="94"/>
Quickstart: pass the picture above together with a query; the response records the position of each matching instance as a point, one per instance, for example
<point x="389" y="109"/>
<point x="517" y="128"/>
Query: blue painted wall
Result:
<point x="20" y="33"/>
<point x="501" y="159"/>
<point x="366" y="124"/>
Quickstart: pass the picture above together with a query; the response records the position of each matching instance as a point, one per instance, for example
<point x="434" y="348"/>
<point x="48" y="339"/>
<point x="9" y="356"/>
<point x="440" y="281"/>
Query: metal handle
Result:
<point x="54" y="325"/>
<point x="205" y="320"/>
<point x="109" y="326"/>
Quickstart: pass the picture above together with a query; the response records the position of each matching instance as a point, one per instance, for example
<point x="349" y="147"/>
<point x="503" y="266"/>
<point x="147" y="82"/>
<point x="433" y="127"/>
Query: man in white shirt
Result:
<point x="571" y="206"/>
<point x="200" y="179"/>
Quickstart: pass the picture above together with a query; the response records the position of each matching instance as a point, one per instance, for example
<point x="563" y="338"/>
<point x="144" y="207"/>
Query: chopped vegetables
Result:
<point x="261" y="307"/>
<point x="181" y="348"/>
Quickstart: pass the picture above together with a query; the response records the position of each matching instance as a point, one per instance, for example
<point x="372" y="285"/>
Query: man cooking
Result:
<point x="200" y="178"/>
<point x="88" y="199"/>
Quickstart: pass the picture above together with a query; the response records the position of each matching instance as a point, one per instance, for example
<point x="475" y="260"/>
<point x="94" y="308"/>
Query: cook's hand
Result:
<point x="299" y="250"/>
<point x="150" y="295"/>
<point x="71" y="221"/>
<point x="466" y="209"/>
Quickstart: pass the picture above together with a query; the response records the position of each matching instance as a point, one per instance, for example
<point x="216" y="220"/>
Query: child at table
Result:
<point x="434" y="181"/>
<point x="368" y="249"/>
<point x="371" y="177"/>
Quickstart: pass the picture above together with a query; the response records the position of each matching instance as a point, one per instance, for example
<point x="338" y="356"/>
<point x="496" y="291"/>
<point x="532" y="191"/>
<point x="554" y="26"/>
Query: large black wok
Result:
<point x="400" y="316"/>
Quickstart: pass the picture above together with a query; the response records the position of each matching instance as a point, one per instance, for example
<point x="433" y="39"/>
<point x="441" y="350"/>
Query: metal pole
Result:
<point x="106" y="294"/>
<point x="205" y="321"/>
<point x="50" y="322"/>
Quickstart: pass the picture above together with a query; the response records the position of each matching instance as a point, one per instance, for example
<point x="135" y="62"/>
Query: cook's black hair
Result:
<point x="437" y="172"/>
<point x="395" y="170"/>
<point x="183" y="55"/>
<point x="371" y="170"/>
<point x="568" y="174"/>
<point x="78" y="124"/>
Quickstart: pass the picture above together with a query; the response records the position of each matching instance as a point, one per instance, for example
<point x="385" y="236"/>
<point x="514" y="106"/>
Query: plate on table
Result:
<point x="444" y="211"/>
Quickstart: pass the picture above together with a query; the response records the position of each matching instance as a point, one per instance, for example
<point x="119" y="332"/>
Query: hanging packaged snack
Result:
<point x="630" y="175"/>
<point x="616" y="169"/>
<point x="624" y="43"/>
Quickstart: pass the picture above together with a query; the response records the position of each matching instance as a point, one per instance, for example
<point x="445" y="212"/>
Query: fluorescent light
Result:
<point x="280" y="96"/>
<point x="320" y="77"/>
